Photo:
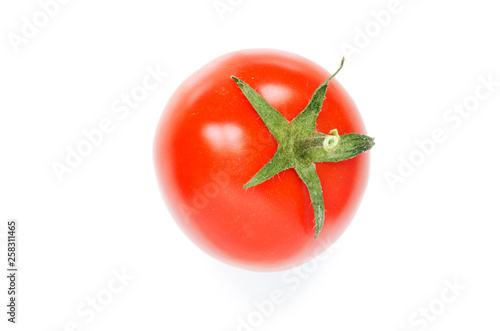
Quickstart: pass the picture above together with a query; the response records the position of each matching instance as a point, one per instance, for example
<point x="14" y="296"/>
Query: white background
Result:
<point x="439" y="225"/>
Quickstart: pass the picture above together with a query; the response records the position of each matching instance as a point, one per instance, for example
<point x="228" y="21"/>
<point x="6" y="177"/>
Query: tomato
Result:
<point x="210" y="142"/>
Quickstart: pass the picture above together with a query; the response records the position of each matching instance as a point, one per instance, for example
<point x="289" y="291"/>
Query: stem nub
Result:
<point x="331" y="142"/>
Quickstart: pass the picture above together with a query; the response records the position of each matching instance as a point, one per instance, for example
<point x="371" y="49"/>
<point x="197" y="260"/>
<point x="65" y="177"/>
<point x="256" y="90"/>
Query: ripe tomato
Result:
<point x="210" y="141"/>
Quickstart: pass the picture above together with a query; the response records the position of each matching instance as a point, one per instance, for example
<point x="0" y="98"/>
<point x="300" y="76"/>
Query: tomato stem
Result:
<point x="328" y="142"/>
<point x="300" y="146"/>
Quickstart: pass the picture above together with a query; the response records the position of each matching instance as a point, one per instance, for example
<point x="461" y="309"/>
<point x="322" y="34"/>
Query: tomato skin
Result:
<point x="210" y="142"/>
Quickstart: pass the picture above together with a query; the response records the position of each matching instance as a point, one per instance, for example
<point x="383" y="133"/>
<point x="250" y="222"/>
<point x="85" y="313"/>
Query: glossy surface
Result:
<point x="210" y="142"/>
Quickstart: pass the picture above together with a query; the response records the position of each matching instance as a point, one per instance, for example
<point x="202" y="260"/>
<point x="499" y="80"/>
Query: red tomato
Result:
<point x="210" y="141"/>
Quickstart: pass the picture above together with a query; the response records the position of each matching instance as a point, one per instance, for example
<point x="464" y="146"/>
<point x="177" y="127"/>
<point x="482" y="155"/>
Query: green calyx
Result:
<point x="300" y="146"/>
